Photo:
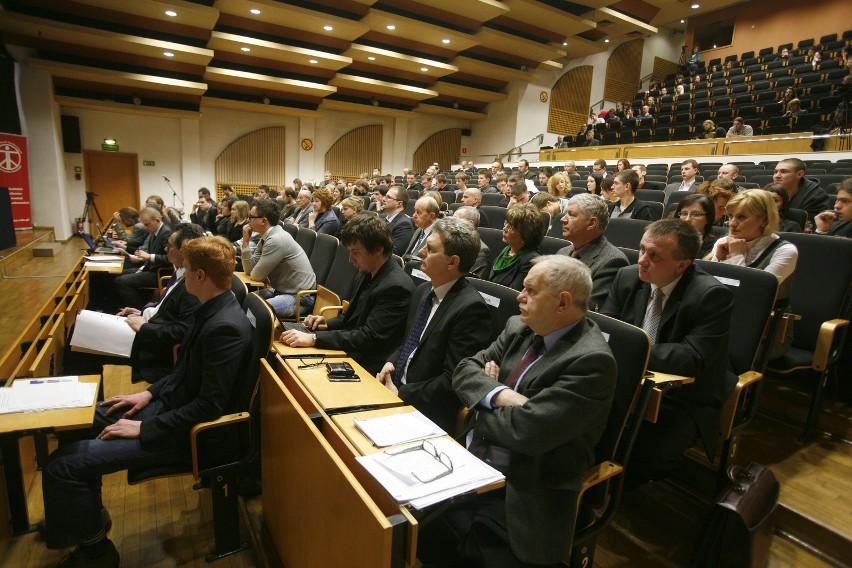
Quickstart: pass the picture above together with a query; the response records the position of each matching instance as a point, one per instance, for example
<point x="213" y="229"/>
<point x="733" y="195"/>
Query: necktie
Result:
<point x="169" y="284"/>
<point x="413" y="338"/>
<point x="419" y="241"/>
<point x="478" y="447"/>
<point x="575" y="253"/>
<point x="651" y="325"/>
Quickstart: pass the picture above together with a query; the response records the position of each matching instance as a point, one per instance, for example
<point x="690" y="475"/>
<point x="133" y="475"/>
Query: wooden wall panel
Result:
<point x="569" y="101"/>
<point x="254" y="159"/>
<point x="442" y="147"/>
<point x="663" y="68"/>
<point x="355" y="152"/>
<point x="623" y="71"/>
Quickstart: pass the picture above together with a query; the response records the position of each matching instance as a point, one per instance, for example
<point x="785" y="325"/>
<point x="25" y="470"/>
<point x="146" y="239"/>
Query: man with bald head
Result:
<point x="425" y="214"/>
<point x="472" y="197"/>
<point x="571" y="170"/>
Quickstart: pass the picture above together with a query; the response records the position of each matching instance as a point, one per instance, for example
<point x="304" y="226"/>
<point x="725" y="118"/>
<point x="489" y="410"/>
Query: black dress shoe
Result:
<point x="80" y="558"/>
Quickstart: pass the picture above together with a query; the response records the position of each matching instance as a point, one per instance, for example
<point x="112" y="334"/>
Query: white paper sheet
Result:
<point x="397" y="429"/>
<point x="102" y="334"/>
<point x="29" y="395"/>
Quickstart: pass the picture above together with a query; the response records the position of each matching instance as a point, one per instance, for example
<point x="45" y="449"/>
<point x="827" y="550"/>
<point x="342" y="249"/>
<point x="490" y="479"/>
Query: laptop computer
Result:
<point x="90" y="242"/>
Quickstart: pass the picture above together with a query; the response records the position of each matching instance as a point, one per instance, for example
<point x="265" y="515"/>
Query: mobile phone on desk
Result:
<point x="341" y="372"/>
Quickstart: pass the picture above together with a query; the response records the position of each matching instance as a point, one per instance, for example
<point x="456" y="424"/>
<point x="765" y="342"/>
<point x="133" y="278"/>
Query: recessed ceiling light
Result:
<point x="312" y="61"/>
<point x="245" y="49"/>
<point x="424" y="69"/>
<point x="565" y="43"/>
<point x="445" y="40"/>
<point x="371" y="58"/>
<point x="168" y="54"/>
<point x="391" y="27"/>
<point x="683" y="21"/>
<point x="606" y="40"/>
<point x="696" y="6"/>
<point x="255" y="11"/>
<point x="328" y="28"/>
<point x="171" y="13"/>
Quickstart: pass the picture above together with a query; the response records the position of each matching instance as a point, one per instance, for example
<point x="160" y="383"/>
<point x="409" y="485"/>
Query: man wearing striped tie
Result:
<point x="687" y="314"/>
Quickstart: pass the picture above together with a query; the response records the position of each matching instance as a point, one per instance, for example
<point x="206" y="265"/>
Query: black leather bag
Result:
<point x="738" y="530"/>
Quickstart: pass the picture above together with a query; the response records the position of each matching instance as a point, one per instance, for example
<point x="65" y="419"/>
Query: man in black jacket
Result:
<point x="163" y="325"/>
<point x="145" y="261"/>
<point x="804" y="193"/>
<point x="152" y="427"/>
<point x="369" y="330"/>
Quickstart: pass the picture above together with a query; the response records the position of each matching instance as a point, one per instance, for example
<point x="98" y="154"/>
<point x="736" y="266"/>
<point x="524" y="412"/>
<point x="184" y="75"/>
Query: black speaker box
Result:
<point x="71" y="134"/>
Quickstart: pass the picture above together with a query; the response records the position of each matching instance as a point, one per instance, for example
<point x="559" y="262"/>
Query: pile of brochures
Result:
<point x="432" y="470"/>
<point x="29" y="395"/>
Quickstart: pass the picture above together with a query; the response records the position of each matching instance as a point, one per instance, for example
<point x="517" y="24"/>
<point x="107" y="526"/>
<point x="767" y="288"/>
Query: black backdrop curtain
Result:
<point x="9" y="120"/>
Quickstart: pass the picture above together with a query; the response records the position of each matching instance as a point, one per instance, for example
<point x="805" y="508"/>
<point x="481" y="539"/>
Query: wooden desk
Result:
<point x="335" y="397"/>
<point x="287" y="351"/>
<point x="18" y="424"/>
<point x="250" y="284"/>
<point x="320" y="509"/>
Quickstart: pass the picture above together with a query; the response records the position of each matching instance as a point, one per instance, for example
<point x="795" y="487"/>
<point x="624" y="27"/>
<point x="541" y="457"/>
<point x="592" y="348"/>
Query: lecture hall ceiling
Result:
<point x="385" y="57"/>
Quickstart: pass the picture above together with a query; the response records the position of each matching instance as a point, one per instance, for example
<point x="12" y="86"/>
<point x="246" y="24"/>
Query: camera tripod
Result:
<point x="87" y="210"/>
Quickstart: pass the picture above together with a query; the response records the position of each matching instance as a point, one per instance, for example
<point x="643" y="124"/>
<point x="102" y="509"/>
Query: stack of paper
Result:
<point x="27" y="395"/>
<point x="104" y="261"/>
<point x="102" y="334"/>
<point x="398" y="428"/>
<point x="395" y="471"/>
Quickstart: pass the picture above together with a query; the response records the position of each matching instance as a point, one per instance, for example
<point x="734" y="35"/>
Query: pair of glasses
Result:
<point x="318" y="363"/>
<point x="692" y="214"/>
<point x="442" y="460"/>
<point x="255" y="217"/>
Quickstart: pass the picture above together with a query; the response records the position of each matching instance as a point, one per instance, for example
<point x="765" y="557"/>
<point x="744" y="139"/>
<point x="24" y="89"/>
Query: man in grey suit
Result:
<point x="688" y="171"/>
<point x="584" y="225"/>
<point x="303" y="209"/>
<point x="539" y="398"/>
<point x="425" y="213"/>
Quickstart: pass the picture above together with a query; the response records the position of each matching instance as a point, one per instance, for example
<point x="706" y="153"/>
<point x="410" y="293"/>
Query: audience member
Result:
<point x="152" y="428"/>
<point x="804" y="193"/>
<point x="393" y="203"/>
<point x="425" y="214"/>
<point x="584" y="226"/>
<point x="710" y="130"/>
<point x="838" y="222"/>
<point x="590" y="139"/>
<point x="444" y="325"/>
<point x="148" y="258"/>
<point x="482" y="266"/>
<point x="627" y="206"/>
<point x="301" y="215"/>
<point x="542" y="393"/>
<point x="350" y="207"/>
<point x="323" y="218"/>
<point x="697" y="210"/>
<point x="740" y="128"/>
<point x="483" y="182"/>
<point x="161" y="326"/>
<point x="782" y="205"/>
<point x="279" y="258"/>
<point x="622" y="164"/>
<point x="687" y="314"/>
<point x="593" y="183"/>
<point x="128" y="217"/>
<point x="523" y="231"/>
<point x="720" y="191"/>
<point x="369" y="329"/>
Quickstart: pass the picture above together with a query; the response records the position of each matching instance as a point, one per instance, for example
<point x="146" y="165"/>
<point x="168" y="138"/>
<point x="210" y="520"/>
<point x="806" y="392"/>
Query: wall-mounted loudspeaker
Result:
<point x="71" y="134"/>
<point x="465" y="131"/>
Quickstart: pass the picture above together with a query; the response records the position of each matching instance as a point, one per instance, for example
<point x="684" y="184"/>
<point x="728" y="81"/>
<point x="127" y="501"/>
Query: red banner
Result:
<point x="15" y="174"/>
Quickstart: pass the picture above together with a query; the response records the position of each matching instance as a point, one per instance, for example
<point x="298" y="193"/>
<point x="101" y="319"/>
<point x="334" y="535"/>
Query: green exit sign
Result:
<point x="147" y="162"/>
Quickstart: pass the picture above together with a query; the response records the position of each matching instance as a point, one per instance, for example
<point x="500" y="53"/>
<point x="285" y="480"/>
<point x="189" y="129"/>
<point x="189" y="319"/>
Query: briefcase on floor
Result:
<point x="738" y="530"/>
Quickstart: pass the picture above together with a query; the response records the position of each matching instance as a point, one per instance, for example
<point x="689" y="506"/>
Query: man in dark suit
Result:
<point x="804" y="193"/>
<point x="688" y="171"/>
<point x="369" y="330"/>
<point x="393" y="203"/>
<point x="411" y="183"/>
<point x="205" y="214"/>
<point x="425" y="214"/>
<point x="162" y="326"/>
<point x="147" y="260"/>
<point x="539" y="398"/>
<point x="481" y="268"/>
<point x="584" y="225"/>
<point x="152" y="428"/>
<point x="444" y="325"/>
<point x="687" y="314"/>
<point x="838" y="222"/>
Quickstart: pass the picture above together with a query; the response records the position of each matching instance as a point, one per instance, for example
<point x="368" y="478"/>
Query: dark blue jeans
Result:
<point x="71" y="480"/>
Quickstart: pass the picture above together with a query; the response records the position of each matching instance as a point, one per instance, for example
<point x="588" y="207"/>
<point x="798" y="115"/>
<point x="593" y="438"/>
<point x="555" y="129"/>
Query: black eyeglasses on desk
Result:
<point x="427" y="446"/>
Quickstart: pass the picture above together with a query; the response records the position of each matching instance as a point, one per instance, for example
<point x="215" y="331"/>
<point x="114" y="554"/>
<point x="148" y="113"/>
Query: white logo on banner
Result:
<point x="10" y="157"/>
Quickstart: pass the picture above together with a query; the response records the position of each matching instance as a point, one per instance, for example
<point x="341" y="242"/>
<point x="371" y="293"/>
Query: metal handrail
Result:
<point x="539" y="137"/>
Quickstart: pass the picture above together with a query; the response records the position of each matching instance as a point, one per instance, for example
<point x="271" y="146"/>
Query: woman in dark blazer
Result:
<point x="323" y="219"/>
<point x="523" y="231"/>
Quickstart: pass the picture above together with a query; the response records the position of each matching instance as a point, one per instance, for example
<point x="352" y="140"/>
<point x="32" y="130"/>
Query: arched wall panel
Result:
<point x="623" y="71"/>
<point x="569" y="101"/>
<point x="442" y="147"/>
<point x="356" y="152"/>
<point x="253" y="159"/>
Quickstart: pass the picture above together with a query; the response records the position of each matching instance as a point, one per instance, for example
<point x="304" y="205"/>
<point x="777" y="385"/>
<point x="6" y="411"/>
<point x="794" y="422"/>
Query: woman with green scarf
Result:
<point x="523" y="231"/>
